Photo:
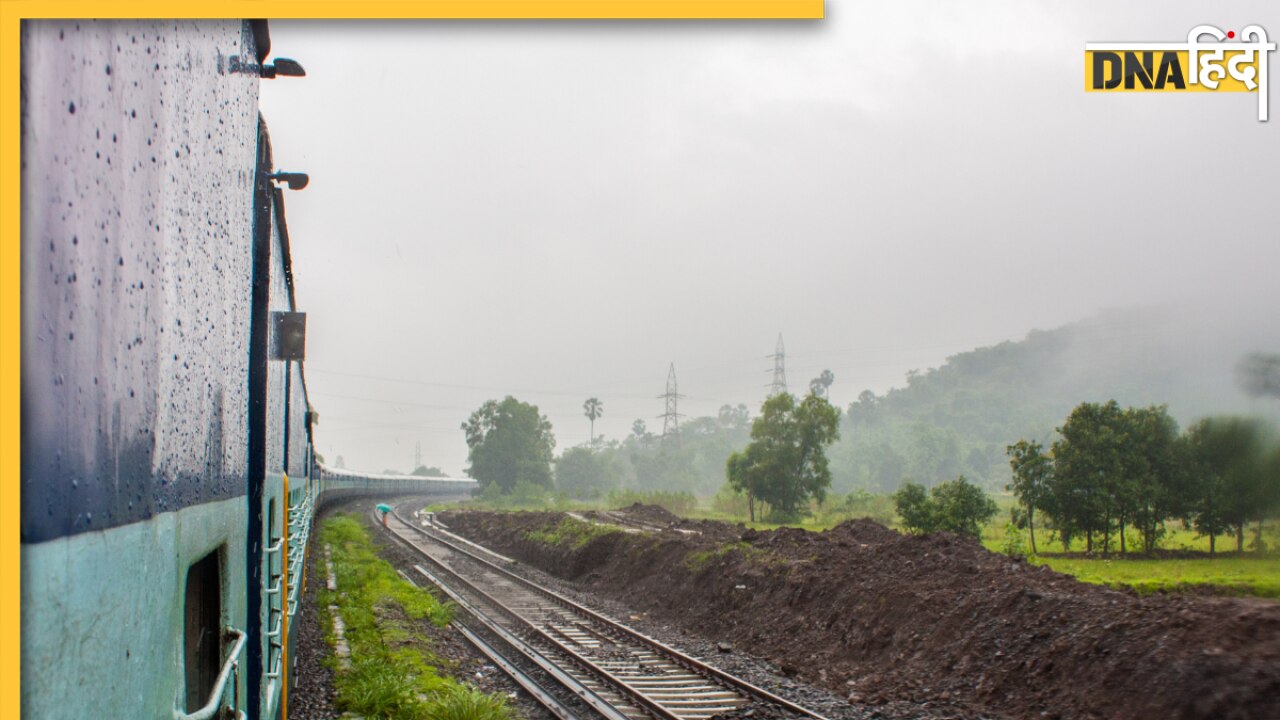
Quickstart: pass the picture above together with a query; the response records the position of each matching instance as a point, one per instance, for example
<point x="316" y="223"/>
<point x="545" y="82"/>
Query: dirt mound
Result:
<point x="881" y="617"/>
<point x="651" y="514"/>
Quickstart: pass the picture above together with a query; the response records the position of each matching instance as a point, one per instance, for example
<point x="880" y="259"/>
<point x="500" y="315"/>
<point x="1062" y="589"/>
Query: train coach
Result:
<point x="168" y="479"/>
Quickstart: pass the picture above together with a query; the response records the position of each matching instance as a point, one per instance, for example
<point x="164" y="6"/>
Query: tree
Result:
<point x="962" y="507"/>
<point x="785" y="464"/>
<point x="1032" y="478"/>
<point x="593" y="409"/>
<point x="915" y="508"/>
<point x="1230" y="476"/>
<point x="1259" y="374"/>
<point x="585" y="473"/>
<point x="745" y="476"/>
<point x="734" y="417"/>
<point x="433" y="471"/>
<point x="1088" y="471"/>
<point x="1270" y="492"/>
<point x="863" y="409"/>
<point x="821" y="385"/>
<point x="956" y="506"/>
<point x="1155" y="466"/>
<point x="509" y="443"/>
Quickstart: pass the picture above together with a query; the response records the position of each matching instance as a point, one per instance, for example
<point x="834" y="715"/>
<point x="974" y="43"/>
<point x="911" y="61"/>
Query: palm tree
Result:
<point x="593" y="409"/>
<point x="819" y="386"/>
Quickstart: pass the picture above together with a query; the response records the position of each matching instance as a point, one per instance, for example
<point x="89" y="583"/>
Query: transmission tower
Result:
<point x="779" y="358"/>
<point x="417" y="455"/>
<point x="671" y="418"/>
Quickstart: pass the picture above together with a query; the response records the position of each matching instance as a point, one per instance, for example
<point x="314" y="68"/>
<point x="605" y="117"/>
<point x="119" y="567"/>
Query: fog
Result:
<point x="559" y="210"/>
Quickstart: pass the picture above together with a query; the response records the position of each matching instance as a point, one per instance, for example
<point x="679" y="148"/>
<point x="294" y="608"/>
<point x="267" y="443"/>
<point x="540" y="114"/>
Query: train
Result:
<point x="168" y="470"/>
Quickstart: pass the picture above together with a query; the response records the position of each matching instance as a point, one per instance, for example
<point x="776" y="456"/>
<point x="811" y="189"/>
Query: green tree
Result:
<point x="433" y="471"/>
<point x="745" y="476"/>
<point x="582" y="472"/>
<point x="1088" y="470"/>
<point x="734" y="417"/>
<point x="785" y="464"/>
<point x="1032" y="478"/>
<point x="915" y="508"/>
<point x="1270" y="492"/>
<point x="962" y="507"/>
<point x="509" y="443"/>
<point x="593" y="409"/>
<point x="1156" y="478"/>
<point x="863" y="409"/>
<point x="956" y="506"/>
<point x="1230" y="475"/>
<point x="821" y="385"/>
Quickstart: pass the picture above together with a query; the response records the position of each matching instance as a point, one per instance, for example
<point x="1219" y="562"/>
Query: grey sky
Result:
<point x="559" y="210"/>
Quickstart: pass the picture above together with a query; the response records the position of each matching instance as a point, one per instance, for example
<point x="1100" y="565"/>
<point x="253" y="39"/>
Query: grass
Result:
<point x="572" y="532"/>
<point x="393" y="673"/>
<point x="1228" y="572"/>
<point x="699" y="559"/>
<point x="1238" y="575"/>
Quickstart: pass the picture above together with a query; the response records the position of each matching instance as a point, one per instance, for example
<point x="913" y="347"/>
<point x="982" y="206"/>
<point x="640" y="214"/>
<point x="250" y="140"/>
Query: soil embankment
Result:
<point x="880" y="616"/>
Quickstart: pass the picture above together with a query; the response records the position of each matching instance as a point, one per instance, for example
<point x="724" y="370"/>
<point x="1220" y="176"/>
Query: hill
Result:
<point x="959" y="417"/>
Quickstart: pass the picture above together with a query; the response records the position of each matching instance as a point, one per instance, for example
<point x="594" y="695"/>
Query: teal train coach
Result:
<point x="168" y="476"/>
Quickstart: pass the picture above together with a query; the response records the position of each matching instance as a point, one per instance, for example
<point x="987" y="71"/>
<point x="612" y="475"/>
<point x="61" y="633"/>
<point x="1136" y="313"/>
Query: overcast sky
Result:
<point x="560" y="210"/>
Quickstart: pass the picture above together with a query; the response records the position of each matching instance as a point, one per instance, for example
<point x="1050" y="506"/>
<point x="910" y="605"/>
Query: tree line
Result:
<point x="1117" y="469"/>
<point x="511" y="453"/>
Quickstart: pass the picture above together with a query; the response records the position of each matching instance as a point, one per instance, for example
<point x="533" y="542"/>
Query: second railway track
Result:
<point x="611" y="669"/>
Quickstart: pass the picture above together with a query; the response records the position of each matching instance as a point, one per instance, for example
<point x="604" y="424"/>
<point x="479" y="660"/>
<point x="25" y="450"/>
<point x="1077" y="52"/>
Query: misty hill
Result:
<point x="959" y="417"/>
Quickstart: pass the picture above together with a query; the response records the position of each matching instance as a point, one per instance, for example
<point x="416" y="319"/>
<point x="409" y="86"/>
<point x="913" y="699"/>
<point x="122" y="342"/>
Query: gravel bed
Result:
<point x="312" y="695"/>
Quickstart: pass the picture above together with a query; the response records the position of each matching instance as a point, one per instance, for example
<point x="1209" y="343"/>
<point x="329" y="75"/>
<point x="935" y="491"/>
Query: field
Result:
<point x="1184" y="564"/>
<point x="1236" y="575"/>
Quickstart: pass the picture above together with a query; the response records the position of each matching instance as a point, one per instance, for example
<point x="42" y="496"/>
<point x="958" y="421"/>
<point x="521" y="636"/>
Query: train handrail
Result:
<point x="230" y="668"/>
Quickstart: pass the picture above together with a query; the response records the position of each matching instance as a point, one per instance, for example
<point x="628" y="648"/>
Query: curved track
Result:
<point x="618" y="672"/>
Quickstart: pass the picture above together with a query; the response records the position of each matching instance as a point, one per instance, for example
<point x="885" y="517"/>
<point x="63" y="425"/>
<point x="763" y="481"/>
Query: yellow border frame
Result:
<point x="12" y="12"/>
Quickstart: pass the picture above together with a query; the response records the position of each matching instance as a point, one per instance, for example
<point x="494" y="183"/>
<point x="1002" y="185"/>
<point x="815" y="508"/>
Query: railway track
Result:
<point x="611" y="670"/>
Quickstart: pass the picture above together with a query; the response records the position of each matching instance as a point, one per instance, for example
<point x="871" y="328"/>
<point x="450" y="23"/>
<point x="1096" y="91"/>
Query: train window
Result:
<point x="202" y="640"/>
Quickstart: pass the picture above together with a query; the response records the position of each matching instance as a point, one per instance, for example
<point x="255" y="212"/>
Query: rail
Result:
<point x="531" y="686"/>
<point x="217" y="696"/>
<point x="589" y="696"/>
<point x="691" y="663"/>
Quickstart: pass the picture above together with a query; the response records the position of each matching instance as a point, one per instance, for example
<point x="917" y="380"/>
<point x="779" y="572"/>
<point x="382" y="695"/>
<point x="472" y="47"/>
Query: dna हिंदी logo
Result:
<point x="1224" y="63"/>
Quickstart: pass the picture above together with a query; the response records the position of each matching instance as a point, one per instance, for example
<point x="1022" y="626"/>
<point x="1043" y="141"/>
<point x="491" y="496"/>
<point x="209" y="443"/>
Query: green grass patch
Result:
<point x="1258" y="576"/>
<point x="698" y="560"/>
<point x="1176" y="537"/>
<point x="1228" y="572"/>
<point x="571" y="532"/>
<point x="464" y="702"/>
<point x="393" y="674"/>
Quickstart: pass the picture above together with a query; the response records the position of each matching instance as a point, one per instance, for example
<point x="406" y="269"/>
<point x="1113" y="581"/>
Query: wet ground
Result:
<point x="905" y="626"/>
